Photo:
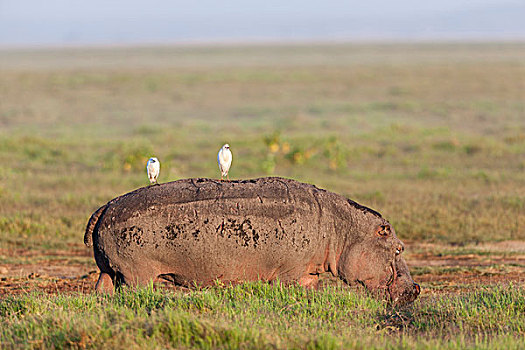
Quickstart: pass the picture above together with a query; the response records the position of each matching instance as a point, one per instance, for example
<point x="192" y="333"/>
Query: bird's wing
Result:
<point x="151" y="168"/>
<point x="229" y="159"/>
<point x="219" y="160"/>
<point x="227" y="166"/>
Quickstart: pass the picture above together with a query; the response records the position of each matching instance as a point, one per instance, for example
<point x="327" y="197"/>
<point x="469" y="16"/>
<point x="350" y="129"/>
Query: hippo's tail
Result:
<point x="90" y="228"/>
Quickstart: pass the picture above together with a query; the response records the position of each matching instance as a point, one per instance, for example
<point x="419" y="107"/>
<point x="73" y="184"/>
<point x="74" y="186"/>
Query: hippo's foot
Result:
<point x="309" y="281"/>
<point x="104" y="284"/>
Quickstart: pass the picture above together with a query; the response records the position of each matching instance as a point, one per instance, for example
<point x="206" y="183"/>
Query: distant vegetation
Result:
<point x="431" y="136"/>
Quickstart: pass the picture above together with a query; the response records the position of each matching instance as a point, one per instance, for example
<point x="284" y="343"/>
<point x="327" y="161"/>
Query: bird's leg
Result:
<point x="228" y="176"/>
<point x="222" y="177"/>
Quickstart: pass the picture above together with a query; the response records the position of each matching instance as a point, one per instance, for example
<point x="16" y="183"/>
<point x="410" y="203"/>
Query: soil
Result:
<point x="437" y="268"/>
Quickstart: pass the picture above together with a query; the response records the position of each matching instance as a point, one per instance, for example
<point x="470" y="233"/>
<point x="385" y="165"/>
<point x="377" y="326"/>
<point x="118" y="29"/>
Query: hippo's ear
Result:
<point x="384" y="230"/>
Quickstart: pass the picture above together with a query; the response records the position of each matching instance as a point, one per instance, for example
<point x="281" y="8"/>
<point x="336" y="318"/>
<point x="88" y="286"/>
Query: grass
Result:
<point x="258" y="315"/>
<point x="480" y="270"/>
<point x="430" y="135"/>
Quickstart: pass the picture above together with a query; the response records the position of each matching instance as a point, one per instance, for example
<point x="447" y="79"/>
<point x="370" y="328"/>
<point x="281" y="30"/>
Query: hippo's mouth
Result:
<point x="401" y="290"/>
<point x="391" y="279"/>
<point x="385" y="288"/>
<point x="392" y="275"/>
<point x="394" y="285"/>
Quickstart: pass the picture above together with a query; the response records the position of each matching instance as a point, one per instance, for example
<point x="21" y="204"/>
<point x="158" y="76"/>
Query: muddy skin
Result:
<point x="202" y="230"/>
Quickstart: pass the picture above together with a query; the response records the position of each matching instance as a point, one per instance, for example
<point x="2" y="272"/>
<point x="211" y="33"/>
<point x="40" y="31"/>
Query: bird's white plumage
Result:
<point x="153" y="169"/>
<point x="224" y="158"/>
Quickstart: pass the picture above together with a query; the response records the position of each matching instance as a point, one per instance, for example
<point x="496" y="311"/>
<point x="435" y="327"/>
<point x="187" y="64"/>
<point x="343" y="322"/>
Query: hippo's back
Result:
<point x="201" y="229"/>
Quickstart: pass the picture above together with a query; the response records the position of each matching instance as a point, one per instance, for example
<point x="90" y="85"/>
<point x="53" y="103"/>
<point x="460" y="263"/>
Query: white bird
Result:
<point x="153" y="169"/>
<point x="224" y="158"/>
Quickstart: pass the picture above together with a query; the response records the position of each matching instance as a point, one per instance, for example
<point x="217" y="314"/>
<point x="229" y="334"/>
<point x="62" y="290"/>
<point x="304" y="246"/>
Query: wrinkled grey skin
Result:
<point x="201" y="230"/>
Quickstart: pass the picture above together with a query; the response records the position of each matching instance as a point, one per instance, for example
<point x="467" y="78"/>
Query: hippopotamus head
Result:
<point x="375" y="261"/>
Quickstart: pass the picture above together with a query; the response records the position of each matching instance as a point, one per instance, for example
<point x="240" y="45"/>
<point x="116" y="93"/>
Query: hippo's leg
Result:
<point x="135" y="278"/>
<point x="309" y="281"/>
<point x="104" y="284"/>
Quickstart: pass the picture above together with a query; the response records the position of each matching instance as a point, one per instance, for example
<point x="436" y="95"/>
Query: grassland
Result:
<point x="432" y="136"/>
<point x="262" y="316"/>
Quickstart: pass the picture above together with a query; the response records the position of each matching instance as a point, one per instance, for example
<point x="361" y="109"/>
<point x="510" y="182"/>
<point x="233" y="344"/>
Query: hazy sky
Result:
<point x="63" y="22"/>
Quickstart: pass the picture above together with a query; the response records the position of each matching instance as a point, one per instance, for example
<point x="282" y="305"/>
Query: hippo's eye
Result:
<point x="383" y="230"/>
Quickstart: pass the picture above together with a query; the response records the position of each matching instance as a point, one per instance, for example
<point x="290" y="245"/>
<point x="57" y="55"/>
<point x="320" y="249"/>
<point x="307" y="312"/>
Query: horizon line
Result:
<point x="518" y="39"/>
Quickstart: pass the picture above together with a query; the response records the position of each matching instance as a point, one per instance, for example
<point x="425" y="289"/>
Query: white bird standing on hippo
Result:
<point x="153" y="169"/>
<point x="224" y="158"/>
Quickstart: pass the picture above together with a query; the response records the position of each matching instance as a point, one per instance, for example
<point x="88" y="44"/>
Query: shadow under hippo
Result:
<point x="202" y="230"/>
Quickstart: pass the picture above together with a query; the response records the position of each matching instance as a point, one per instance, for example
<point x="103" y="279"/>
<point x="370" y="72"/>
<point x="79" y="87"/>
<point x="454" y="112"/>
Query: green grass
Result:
<point x="258" y="315"/>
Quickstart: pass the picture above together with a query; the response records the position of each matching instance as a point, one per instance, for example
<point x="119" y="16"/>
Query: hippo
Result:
<point x="199" y="231"/>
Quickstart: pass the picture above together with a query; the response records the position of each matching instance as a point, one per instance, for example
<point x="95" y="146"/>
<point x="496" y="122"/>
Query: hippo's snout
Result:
<point x="417" y="289"/>
<point x="411" y="295"/>
<point x="401" y="296"/>
<point x="403" y="290"/>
